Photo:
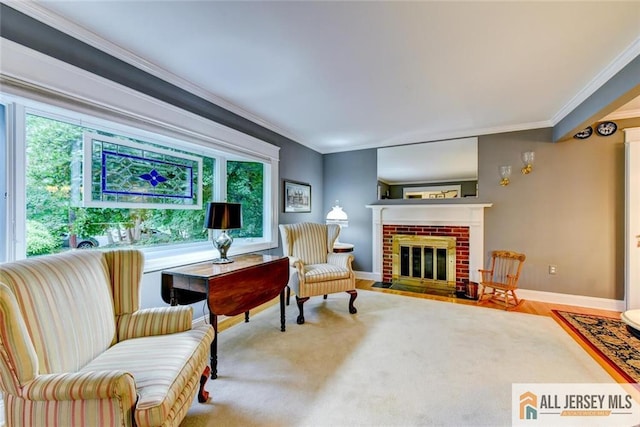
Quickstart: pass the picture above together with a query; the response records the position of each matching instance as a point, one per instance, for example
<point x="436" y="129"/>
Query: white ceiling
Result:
<point x="339" y="76"/>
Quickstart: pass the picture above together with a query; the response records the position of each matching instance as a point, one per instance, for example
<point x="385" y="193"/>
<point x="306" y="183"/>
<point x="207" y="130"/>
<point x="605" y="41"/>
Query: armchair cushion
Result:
<point x="323" y="272"/>
<point x="154" y="368"/>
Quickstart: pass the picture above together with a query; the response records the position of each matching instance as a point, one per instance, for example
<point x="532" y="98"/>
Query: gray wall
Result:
<point x="568" y="212"/>
<point x="351" y="178"/>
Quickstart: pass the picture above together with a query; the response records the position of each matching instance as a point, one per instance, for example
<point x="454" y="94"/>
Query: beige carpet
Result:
<point x="400" y="361"/>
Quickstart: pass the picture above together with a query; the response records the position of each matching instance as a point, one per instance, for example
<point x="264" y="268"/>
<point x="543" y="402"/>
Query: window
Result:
<point x="90" y="183"/>
<point x="3" y="184"/>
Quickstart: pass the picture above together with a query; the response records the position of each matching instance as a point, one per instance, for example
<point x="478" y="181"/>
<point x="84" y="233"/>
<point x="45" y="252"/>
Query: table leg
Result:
<point x="282" y="301"/>
<point x="213" y="320"/>
<point x="246" y="316"/>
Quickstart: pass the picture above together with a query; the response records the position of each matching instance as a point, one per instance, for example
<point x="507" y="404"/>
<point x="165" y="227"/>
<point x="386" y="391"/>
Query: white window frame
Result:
<point x="31" y="81"/>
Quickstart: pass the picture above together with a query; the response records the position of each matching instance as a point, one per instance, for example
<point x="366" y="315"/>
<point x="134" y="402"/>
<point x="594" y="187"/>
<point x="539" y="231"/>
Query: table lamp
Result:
<point x="223" y="216"/>
<point x="338" y="216"/>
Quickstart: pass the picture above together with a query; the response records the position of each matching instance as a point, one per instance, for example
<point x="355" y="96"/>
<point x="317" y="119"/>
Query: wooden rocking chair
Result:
<point x="502" y="279"/>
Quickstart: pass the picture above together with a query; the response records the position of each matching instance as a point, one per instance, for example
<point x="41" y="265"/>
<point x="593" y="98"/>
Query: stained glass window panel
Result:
<point x="124" y="173"/>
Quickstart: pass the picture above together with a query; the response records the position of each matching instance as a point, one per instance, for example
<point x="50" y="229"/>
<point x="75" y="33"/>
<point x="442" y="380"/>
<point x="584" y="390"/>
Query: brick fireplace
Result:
<point x="464" y="221"/>
<point x="460" y="233"/>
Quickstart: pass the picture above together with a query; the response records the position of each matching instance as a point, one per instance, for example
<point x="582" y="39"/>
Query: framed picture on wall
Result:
<point x="297" y="196"/>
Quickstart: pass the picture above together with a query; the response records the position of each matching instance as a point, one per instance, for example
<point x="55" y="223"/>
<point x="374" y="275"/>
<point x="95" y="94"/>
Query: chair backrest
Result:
<point x="65" y="302"/>
<point x="308" y="241"/>
<point x="506" y="267"/>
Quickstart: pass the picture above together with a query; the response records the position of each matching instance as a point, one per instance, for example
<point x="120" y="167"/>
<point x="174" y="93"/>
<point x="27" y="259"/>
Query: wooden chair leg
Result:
<point x="300" y="302"/>
<point x="515" y="297"/>
<point x="481" y="294"/>
<point x="288" y="294"/>
<point x="353" y="295"/>
<point x="203" y="395"/>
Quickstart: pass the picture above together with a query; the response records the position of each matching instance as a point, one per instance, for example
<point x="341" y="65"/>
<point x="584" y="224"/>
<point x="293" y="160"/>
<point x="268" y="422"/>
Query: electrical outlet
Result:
<point x="553" y="269"/>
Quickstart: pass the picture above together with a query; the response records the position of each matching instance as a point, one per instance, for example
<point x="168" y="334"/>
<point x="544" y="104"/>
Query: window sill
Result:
<point x="158" y="260"/>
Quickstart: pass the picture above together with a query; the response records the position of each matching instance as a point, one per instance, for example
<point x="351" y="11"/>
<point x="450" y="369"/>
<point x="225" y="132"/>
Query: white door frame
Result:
<point x="632" y="219"/>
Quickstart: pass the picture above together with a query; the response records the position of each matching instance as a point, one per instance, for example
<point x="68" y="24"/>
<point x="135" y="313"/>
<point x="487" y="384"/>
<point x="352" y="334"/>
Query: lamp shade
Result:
<point x="223" y="216"/>
<point x="337" y="216"/>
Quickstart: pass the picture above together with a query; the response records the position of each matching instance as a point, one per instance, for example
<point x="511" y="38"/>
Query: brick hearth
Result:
<point x="461" y="234"/>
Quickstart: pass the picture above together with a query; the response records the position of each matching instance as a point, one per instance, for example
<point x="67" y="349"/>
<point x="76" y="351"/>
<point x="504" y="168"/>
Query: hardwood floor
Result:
<point x="531" y="307"/>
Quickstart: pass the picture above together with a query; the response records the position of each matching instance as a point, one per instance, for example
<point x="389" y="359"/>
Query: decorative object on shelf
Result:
<point x="606" y="128"/>
<point x="584" y="133"/>
<point x="527" y="159"/>
<point x="297" y="197"/>
<point x="338" y="216"/>
<point x="223" y="216"/>
<point x="505" y="173"/>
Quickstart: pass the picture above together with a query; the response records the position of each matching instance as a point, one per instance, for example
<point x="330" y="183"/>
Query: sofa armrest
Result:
<point x="155" y="321"/>
<point x="83" y="386"/>
<point x="340" y="259"/>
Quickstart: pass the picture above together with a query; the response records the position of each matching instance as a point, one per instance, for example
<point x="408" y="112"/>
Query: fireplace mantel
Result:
<point x="455" y="214"/>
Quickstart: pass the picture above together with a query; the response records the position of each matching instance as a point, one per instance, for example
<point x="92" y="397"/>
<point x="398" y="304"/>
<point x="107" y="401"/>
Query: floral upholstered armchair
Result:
<point x="318" y="271"/>
<point x="76" y="349"/>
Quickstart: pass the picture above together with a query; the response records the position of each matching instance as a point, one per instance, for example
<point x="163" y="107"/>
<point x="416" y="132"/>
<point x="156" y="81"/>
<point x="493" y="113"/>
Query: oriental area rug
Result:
<point x="608" y="338"/>
<point x="400" y="361"/>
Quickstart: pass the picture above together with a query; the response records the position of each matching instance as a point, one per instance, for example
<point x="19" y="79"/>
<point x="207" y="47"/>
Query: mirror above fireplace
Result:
<point x="430" y="170"/>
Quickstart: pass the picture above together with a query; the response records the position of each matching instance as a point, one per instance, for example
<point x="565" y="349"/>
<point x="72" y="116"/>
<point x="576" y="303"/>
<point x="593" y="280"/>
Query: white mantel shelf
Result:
<point x="437" y="214"/>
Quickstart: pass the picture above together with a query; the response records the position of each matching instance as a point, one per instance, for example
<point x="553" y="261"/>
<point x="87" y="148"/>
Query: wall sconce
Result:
<point x="527" y="159"/>
<point x="338" y="216"/>
<point x="223" y="216"/>
<point x="505" y="173"/>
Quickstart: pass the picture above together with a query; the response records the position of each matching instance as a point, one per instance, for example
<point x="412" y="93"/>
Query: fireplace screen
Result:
<point x="424" y="261"/>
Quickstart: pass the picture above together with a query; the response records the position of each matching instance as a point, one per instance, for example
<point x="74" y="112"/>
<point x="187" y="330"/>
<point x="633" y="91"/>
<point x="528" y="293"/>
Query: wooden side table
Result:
<point x="342" y="247"/>
<point x="229" y="289"/>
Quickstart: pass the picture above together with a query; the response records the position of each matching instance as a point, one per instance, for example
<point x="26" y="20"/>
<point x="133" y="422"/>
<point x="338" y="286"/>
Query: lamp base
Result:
<point x="222" y="261"/>
<point x="223" y="243"/>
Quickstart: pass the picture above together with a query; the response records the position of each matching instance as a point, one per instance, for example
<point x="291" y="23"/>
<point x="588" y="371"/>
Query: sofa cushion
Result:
<point x="158" y="365"/>
<point x="66" y="305"/>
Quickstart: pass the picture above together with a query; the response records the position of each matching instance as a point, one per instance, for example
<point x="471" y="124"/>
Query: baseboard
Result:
<point x="365" y="275"/>
<point x="577" y="300"/>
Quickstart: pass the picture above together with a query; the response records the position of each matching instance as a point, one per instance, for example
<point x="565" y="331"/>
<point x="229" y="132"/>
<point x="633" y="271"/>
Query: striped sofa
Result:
<point x="76" y="349"/>
<point x="318" y="271"/>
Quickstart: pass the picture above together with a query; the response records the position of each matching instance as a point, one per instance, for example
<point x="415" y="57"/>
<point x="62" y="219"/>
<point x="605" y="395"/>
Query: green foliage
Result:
<point x="54" y="182"/>
<point x="40" y="241"/>
<point x="245" y="185"/>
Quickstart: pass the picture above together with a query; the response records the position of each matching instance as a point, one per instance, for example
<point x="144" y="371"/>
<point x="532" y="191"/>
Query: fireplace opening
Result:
<point x="426" y="263"/>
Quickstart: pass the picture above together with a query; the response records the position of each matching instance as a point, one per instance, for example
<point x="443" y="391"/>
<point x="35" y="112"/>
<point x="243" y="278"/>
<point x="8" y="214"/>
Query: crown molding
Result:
<point x="620" y="115"/>
<point x="82" y="34"/>
<point x="441" y="136"/>
<point x="621" y="61"/>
